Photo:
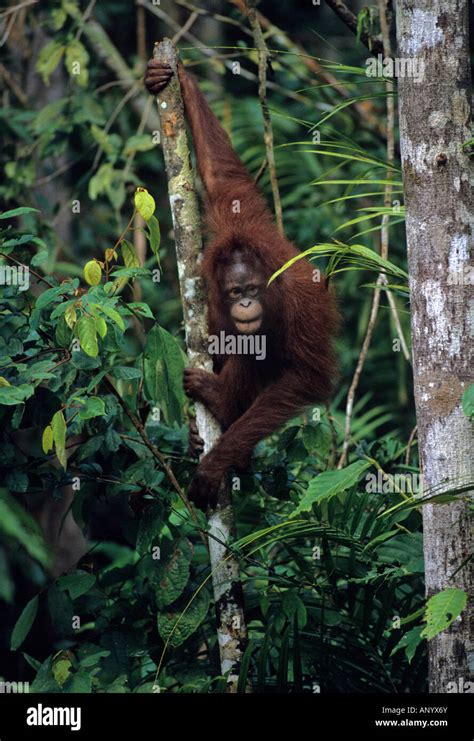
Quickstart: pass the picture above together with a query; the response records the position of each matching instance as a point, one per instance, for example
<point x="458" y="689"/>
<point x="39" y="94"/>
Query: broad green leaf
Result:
<point x="144" y="203"/>
<point x="171" y="575"/>
<point x="11" y="395"/>
<point x="94" y="407"/>
<point x="329" y="483"/>
<point x="442" y="609"/>
<point x="24" y="623"/>
<point x="163" y="371"/>
<point x="58" y="425"/>
<point x="92" y="273"/>
<point x="178" y="625"/>
<point x="317" y="439"/>
<point x="87" y="334"/>
<point x="129" y="255"/>
<point x="77" y="583"/>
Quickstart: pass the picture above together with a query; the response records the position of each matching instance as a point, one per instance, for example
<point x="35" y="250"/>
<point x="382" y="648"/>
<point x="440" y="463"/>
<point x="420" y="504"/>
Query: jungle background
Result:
<point x="331" y="562"/>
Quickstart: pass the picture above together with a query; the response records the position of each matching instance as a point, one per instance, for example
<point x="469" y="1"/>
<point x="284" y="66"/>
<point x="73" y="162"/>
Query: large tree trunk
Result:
<point x="434" y="125"/>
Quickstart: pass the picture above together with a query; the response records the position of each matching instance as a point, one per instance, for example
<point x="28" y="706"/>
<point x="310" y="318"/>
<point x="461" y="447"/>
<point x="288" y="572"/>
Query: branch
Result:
<point x="384" y="244"/>
<point x="373" y="44"/>
<point x="228" y="596"/>
<point x="263" y="57"/>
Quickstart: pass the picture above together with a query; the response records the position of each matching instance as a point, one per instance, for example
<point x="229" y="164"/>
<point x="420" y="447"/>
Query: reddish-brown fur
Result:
<point x="251" y="398"/>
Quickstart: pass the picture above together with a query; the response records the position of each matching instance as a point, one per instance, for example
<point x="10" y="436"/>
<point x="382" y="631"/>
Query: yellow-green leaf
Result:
<point x="101" y="326"/>
<point x="47" y="440"/>
<point x="58" y="426"/>
<point x="70" y="316"/>
<point x="49" y="58"/>
<point x="76" y="61"/>
<point x="4" y="382"/>
<point x="130" y="257"/>
<point x="87" y="334"/>
<point x="144" y="203"/>
<point x="92" y="273"/>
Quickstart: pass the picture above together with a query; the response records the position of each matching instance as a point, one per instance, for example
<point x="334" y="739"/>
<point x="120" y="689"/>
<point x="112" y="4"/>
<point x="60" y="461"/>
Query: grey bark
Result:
<point x="231" y="628"/>
<point x="434" y="125"/>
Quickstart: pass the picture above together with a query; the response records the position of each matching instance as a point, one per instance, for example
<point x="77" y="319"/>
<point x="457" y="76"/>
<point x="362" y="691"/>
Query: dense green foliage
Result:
<point x="90" y="389"/>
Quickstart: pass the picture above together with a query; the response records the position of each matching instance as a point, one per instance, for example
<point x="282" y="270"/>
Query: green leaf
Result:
<point x="92" y="273"/>
<point x="467" y="401"/>
<point x="113" y="314"/>
<point x="125" y="372"/>
<point x="171" y="574"/>
<point x="130" y="272"/>
<point x="163" y="372"/>
<point x="178" y="625"/>
<point x="48" y="59"/>
<point x="442" y="609"/>
<point x="154" y="236"/>
<point x="23" y="624"/>
<point x="410" y="642"/>
<point x="101" y="326"/>
<point x="129" y="255"/>
<point x="144" y="203"/>
<point x="48" y="296"/>
<point x="317" y="439"/>
<point x="86" y="331"/>
<point x="62" y="666"/>
<point x="58" y="426"/>
<point x="141" y="308"/>
<point x="94" y="407"/>
<point x="77" y="583"/>
<point x="139" y="143"/>
<point x="76" y="61"/>
<point x="17" y="212"/>
<point x="17" y="524"/>
<point x="11" y="395"/>
<point x="330" y="483"/>
<point x="79" y="683"/>
<point x="70" y="316"/>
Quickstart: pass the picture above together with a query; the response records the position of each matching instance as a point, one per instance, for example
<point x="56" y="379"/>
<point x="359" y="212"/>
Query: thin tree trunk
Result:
<point x="434" y="125"/>
<point x="228" y="595"/>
